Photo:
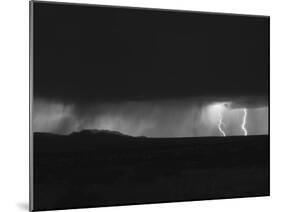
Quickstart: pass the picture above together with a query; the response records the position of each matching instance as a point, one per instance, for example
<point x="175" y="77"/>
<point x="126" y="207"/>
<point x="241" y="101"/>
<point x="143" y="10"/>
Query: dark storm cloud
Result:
<point x="101" y="54"/>
<point x="246" y="102"/>
<point x="152" y="73"/>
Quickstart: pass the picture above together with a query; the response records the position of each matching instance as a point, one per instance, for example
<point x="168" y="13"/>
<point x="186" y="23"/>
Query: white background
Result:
<point x="14" y="103"/>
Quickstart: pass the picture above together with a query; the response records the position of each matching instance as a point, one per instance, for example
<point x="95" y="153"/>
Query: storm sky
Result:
<point x="148" y="72"/>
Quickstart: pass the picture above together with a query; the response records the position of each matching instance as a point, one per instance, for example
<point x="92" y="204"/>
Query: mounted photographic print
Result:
<point x="134" y="106"/>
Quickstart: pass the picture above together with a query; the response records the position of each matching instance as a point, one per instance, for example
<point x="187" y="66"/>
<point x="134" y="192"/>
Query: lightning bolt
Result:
<point x="243" y="126"/>
<point x="220" y="124"/>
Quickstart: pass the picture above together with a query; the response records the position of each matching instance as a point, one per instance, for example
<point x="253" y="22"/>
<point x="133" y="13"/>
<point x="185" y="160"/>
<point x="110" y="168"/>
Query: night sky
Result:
<point x="109" y="61"/>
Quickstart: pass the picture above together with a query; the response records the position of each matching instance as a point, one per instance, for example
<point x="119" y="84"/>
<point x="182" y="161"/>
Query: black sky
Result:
<point x="87" y="54"/>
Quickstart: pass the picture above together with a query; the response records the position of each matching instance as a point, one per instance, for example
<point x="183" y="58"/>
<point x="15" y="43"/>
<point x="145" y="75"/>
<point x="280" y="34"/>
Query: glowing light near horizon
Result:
<point x="153" y="119"/>
<point x="243" y="126"/>
<point x="220" y="124"/>
<point x="216" y="114"/>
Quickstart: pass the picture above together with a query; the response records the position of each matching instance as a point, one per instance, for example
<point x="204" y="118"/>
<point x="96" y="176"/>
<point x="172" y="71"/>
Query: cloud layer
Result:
<point x="169" y="118"/>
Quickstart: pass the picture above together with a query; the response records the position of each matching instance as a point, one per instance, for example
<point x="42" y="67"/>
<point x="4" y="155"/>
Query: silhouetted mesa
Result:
<point x="104" y="132"/>
<point x="95" y="168"/>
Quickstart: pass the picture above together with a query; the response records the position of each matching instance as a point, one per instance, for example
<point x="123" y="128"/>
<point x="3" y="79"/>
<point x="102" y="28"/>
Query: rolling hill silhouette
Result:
<point x="95" y="168"/>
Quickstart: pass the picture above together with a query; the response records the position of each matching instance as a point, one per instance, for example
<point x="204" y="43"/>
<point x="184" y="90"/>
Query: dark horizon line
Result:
<point x="118" y="133"/>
